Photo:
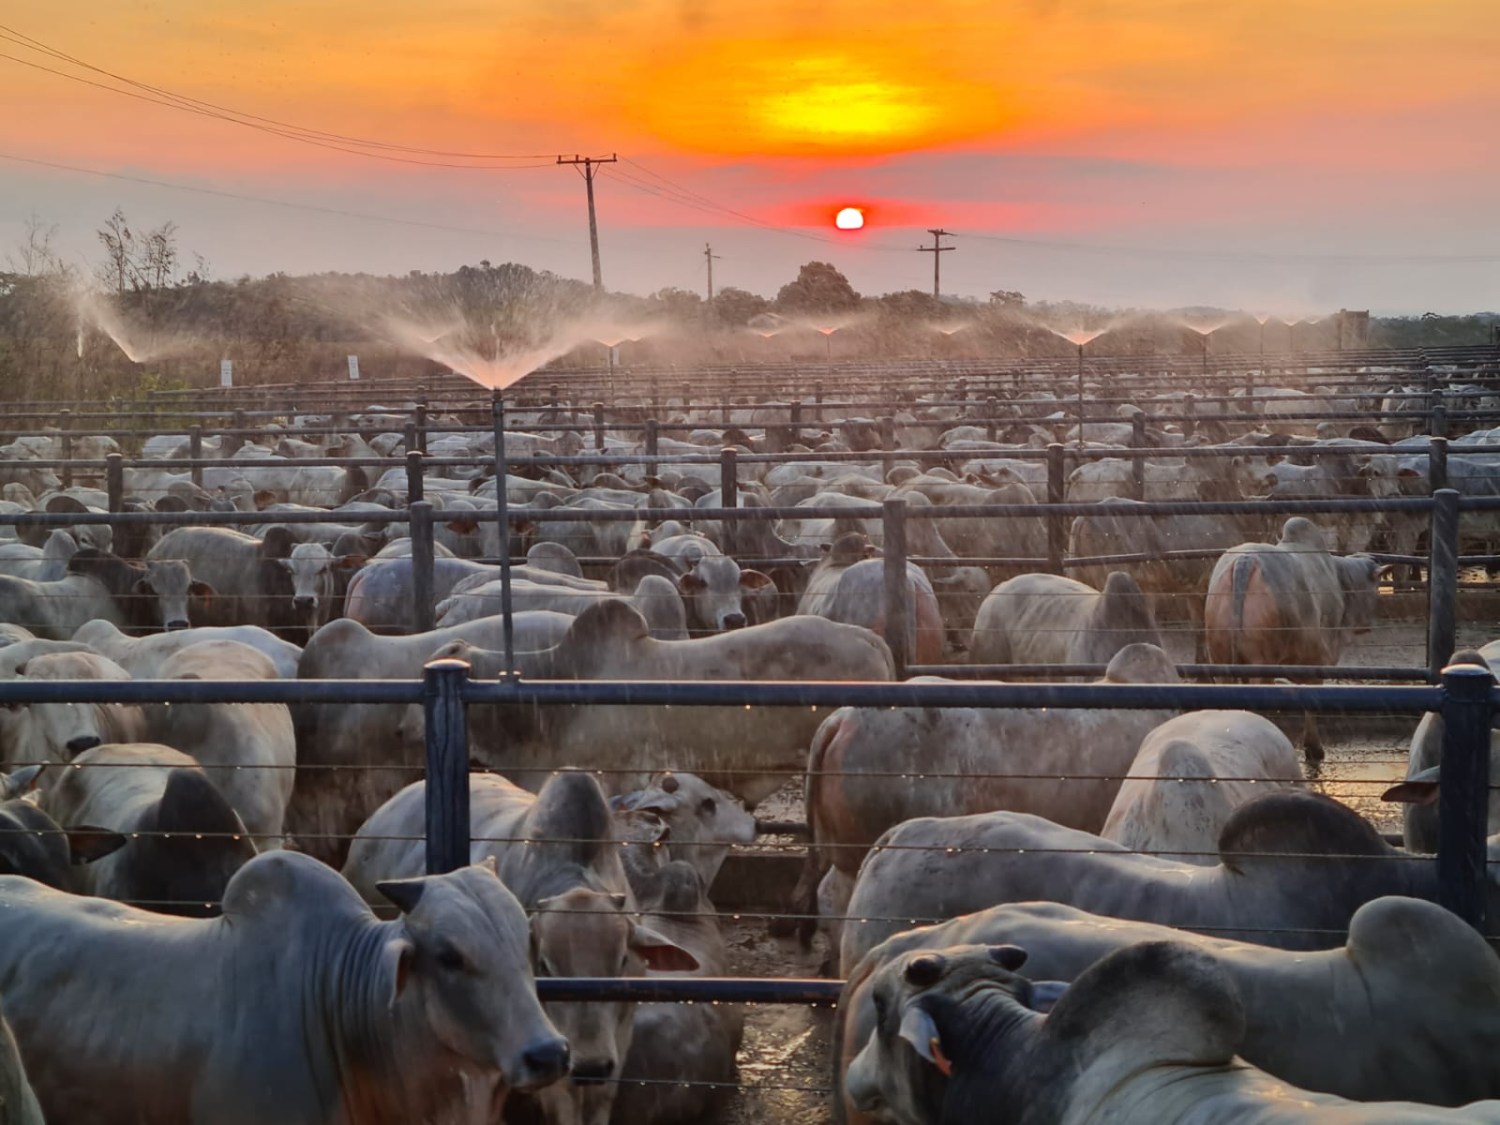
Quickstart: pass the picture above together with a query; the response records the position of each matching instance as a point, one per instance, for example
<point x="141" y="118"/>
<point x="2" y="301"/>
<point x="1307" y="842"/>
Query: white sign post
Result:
<point x="226" y="372"/>
<point x="354" y="368"/>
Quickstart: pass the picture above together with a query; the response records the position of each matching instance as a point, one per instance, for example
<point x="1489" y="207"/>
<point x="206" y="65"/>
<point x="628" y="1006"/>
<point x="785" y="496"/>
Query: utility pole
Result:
<point x="937" y="249"/>
<point x="588" y="163"/>
<point x="708" y="252"/>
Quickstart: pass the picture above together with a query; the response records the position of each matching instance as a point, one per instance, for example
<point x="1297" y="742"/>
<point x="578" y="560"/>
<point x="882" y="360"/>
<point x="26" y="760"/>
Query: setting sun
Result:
<point x="850" y="218"/>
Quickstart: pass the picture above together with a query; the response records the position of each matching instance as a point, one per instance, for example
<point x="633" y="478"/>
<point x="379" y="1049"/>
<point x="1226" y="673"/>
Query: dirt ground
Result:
<point x="784" y="1062"/>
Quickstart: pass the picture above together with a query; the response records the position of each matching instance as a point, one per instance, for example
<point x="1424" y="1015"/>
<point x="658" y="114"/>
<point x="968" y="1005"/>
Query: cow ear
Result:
<point x="395" y="963"/>
<point x="87" y="843"/>
<point x="1008" y="957"/>
<point x="21" y="781"/>
<point x="1412" y="793"/>
<point x="142" y="586"/>
<point x="661" y="955"/>
<point x="691" y="581"/>
<point x="404" y="893"/>
<point x="264" y="498"/>
<point x="918" y="1029"/>
<point x="462" y="526"/>
<point x="201" y="590"/>
<point x="755" y="580"/>
<point x="286" y="565"/>
<point x="350" y="562"/>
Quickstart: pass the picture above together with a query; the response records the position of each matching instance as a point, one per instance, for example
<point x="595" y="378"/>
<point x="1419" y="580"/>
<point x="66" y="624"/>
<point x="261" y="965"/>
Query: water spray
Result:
<point x="502" y="518"/>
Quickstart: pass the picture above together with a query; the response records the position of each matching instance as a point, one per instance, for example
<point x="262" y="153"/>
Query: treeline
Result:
<point x="144" y="320"/>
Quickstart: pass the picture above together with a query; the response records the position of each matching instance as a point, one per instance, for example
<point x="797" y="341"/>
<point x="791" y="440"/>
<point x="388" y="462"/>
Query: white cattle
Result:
<point x="1049" y="619"/>
<point x="1190" y="774"/>
<point x="142" y="657"/>
<point x="57" y="732"/>
<point x="329" y="804"/>
<point x="1408" y="1008"/>
<point x="184" y="842"/>
<point x="715" y="591"/>
<point x="249" y="750"/>
<point x="659" y="603"/>
<point x="1146" y="1036"/>
<point x="1064" y="764"/>
<point x="337" y="1017"/>
<point x="557" y="851"/>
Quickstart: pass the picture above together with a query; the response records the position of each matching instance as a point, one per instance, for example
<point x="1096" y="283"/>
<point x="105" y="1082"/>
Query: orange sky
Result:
<point x="1336" y="127"/>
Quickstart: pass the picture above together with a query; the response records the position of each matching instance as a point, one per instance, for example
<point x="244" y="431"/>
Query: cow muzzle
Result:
<point x="78" y="745"/>
<point x="734" y="621"/>
<point x="176" y="625"/>
<point x="542" y="1063"/>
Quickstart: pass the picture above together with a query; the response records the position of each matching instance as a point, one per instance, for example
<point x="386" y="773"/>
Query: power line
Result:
<point x="1235" y="255"/>
<point x="364" y="216"/>
<point x="162" y="96"/>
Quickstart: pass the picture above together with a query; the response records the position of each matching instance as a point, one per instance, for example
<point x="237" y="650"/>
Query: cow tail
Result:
<point x="1244" y="569"/>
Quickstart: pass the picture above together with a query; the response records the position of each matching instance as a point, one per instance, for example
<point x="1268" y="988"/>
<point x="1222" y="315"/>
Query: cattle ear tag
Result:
<point x="918" y="1029"/>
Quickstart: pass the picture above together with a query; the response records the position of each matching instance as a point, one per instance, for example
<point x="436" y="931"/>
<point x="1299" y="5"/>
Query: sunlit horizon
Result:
<point x="1134" y="154"/>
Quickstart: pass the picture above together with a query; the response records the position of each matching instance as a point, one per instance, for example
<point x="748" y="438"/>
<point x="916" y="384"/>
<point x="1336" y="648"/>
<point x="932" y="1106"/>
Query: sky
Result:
<point x="1289" y="159"/>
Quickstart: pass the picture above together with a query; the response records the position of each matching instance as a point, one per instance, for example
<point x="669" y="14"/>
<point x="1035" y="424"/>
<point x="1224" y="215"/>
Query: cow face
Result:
<point x="715" y="591"/>
<point x="920" y="1031"/>
<point x="459" y="971"/>
<point x="585" y="933"/>
<point x="59" y="732"/>
<point x="173" y="586"/>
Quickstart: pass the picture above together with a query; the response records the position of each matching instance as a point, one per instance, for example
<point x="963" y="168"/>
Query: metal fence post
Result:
<point x="65" y="446"/>
<point x="1442" y="581"/>
<point x="887" y="432"/>
<point x="1437" y="414"/>
<point x="1057" y="533"/>
<point x="653" y="441"/>
<point x="114" y="480"/>
<point x="195" y="451"/>
<point x="1189" y="416"/>
<point x="729" y="496"/>
<point x="991" y="417"/>
<point x="423" y="566"/>
<point x="898" y="615"/>
<point x="1437" y="463"/>
<point x="599" y="426"/>
<point x="447" y="765"/>
<point x="409" y="439"/>
<point x="420" y="427"/>
<point x="414" y="482"/>
<point x="1463" y="798"/>
<point x="818" y="402"/>
<point x="1138" y="464"/>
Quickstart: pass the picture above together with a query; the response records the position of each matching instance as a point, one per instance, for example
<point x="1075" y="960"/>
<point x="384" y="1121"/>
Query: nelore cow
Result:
<point x="337" y="1017"/>
<point x="1294" y="868"/>
<point x="275" y="582"/>
<point x="1061" y="763"/>
<point x="1146" y="1036"/>
<point x="1407" y="1009"/>
<point x="1189" y="776"/>
<point x="101" y="585"/>
<point x="1049" y="619"/>
<point x="185" y="841"/>
<point x="1289" y="602"/>
<point x="748" y="751"/>
<point x="558" y="852"/>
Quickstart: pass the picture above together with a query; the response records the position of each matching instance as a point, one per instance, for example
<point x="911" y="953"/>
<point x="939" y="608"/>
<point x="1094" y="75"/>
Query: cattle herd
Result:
<point x="222" y="912"/>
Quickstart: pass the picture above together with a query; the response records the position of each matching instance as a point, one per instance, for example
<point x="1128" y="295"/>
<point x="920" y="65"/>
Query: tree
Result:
<point x="736" y="307"/>
<point x="1007" y="298"/>
<point x="137" y="263"/>
<point x="819" y="288"/>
